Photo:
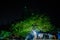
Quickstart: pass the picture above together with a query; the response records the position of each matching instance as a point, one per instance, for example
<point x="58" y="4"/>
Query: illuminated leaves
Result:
<point x="24" y="27"/>
<point x="4" y="34"/>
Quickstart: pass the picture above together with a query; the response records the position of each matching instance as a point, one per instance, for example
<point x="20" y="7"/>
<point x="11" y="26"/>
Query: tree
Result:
<point x="22" y="28"/>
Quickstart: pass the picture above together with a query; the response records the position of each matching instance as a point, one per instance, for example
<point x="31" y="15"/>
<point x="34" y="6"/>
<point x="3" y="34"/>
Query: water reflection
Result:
<point x="39" y="35"/>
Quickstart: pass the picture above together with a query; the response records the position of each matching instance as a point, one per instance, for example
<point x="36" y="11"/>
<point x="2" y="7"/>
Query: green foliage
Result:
<point x="4" y="34"/>
<point x="24" y="27"/>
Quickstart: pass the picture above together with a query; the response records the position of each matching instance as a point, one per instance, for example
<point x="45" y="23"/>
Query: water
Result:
<point x="38" y="35"/>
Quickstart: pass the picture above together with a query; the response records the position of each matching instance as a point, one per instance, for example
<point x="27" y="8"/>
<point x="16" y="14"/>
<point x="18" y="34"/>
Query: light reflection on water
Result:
<point x="38" y="35"/>
<point x="33" y="35"/>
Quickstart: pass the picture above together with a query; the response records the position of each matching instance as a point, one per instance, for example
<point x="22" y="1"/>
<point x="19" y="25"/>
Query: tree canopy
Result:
<point x="22" y="28"/>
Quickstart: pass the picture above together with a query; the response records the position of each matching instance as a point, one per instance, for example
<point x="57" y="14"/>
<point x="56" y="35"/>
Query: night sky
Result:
<point x="13" y="11"/>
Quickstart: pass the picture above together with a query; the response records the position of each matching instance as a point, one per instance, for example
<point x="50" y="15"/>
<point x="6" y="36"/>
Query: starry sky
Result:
<point x="13" y="11"/>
